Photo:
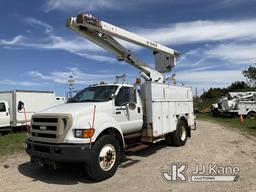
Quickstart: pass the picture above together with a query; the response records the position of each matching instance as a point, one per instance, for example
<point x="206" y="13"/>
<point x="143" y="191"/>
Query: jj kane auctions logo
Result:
<point x="201" y="173"/>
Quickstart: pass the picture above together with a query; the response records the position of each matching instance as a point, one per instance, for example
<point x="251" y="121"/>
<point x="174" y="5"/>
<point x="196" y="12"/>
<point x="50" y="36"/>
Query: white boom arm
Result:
<point x="103" y="33"/>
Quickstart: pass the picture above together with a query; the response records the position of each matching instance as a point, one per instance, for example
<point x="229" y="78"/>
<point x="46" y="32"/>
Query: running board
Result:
<point x="132" y="136"/>
<point x="137" y="148"/>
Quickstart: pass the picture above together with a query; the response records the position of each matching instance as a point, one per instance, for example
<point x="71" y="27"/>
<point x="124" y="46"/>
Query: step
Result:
<point x="133" y="135"/>
<point x="137" y="148"/>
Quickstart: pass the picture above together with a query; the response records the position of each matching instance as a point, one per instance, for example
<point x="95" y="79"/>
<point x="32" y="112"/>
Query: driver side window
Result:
<point x="2" y="107"/>
<point x="125" y="95"/>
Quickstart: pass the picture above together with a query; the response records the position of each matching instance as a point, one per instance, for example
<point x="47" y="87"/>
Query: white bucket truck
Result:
<point x="100" y="122"/>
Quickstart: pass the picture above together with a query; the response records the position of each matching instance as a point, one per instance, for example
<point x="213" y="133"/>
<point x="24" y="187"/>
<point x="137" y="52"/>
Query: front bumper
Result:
<point x="58" y="152"/>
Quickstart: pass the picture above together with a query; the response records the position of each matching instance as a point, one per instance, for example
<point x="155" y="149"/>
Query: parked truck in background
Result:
<point x="35" y="101"/>
<point x="229" y="105"/>
<point x="102" y="121"/>
<point x="247" y="108"/>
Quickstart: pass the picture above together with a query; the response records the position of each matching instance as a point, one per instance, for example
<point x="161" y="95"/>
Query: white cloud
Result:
<point x="235" y="53"/>
<point x="239" y="33"/>
<point x="76" y="45"/>
<point x="215" y="76"/>
<point x="203" y="80"/>
<point x="35" y="22"/>
<point x="13" y="41"/>
<point x="79" y="76"/>
<point x="18" y="83"/>
<point x="117" y="5"/>
<point x="201" y="31"/>
<point x="92" y="5"/>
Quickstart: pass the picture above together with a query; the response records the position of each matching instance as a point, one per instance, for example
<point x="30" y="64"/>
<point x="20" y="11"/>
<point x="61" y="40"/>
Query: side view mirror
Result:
<point x="113" y="96"/>
<point x="132" y="106"/>
<point x="20" y="105"/>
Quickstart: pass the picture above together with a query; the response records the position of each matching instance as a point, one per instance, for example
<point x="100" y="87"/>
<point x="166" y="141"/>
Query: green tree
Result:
<point x="238" y="86"/>
<point x="250" y="74"/>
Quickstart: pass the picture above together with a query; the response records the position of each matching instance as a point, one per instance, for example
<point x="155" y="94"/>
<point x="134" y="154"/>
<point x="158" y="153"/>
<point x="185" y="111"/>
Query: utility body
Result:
<point x="102" y="121"/>
<point x="247" y="108"/>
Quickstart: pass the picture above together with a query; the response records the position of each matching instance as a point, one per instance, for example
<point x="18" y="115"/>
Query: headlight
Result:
<point x="84" y="133"/>
<point x="78" y="133"/>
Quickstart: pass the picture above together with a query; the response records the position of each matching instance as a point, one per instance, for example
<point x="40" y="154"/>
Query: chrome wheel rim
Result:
<point x="183" y="133"/>
<point x="107" y="157"/>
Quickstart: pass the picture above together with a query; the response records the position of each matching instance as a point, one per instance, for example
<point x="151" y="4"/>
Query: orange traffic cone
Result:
<point x="241" y="119"/>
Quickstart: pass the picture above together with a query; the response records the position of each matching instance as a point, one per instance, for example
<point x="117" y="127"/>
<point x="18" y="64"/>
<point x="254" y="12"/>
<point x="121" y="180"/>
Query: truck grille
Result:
<point x="50" y="128"/>
<point x="45" y="120"/>
<point x="44" y="135"/>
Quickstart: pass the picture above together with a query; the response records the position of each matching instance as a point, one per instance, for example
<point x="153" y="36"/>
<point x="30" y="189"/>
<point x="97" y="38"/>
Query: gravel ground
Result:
<point x="210" y="143"/>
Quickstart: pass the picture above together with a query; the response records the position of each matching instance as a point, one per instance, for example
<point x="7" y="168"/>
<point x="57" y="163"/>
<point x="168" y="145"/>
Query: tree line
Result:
<point x="249" y="74"/>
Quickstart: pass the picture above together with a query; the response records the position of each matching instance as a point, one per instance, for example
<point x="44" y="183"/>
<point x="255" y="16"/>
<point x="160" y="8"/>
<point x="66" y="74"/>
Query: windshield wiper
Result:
<point x="85" y="100"/>
<point x="72" y="101"/>
<point x="89" y="100"/>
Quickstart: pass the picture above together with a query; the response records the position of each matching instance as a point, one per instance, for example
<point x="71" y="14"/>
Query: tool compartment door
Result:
<point x="157" y="119"/>
<point x="165" y="118"/>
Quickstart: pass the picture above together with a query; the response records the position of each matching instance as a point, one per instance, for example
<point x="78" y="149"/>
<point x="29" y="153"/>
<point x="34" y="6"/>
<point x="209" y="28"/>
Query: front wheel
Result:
<point x="104" y="159"/>
<point x="179" y="137"/>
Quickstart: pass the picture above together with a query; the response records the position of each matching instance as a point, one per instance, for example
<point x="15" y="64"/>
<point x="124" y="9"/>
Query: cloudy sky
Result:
<point x="217" y="39"/>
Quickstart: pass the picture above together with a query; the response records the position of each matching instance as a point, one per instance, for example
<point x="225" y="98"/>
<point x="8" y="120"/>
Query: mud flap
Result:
<point x="189" y="132"/>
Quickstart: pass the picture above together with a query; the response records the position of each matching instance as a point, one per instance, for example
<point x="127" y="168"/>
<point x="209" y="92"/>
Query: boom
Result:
<point x="103" y="34"/>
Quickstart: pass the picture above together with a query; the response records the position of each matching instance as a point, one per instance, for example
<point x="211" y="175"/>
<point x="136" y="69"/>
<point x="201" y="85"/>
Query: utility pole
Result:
<point x="71" y="83"/>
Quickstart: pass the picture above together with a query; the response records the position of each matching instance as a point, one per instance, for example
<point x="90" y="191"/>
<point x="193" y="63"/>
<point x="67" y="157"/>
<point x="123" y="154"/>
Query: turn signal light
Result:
<point x="84" y="133"/>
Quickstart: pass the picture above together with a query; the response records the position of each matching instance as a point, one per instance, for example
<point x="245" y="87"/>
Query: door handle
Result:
<point x="120" y="108"/>
<point x="7" y="114"/>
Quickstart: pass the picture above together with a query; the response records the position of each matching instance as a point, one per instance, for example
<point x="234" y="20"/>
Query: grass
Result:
<point x="12" y="143"/>
<point x="248" y="126"/>
<point x="203" y="105"/>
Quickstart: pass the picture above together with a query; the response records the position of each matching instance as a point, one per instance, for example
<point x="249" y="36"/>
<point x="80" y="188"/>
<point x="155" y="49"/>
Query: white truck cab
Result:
<point x="4" y="114"/>
<point x="102" y="121"/>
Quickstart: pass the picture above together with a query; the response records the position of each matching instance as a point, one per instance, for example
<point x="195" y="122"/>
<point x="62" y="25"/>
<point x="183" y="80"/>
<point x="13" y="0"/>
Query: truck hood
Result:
<point x="77" y="108"/>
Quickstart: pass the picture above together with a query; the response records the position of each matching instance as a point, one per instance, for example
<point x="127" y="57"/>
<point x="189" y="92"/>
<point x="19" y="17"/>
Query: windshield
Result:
<point x="94" y="94"/>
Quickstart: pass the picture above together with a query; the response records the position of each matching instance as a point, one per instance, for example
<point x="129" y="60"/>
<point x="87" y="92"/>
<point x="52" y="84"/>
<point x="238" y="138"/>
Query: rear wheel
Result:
<point x="179" y="137"/>
<point x="104" y="159"/>
<point x="252" y="115"/>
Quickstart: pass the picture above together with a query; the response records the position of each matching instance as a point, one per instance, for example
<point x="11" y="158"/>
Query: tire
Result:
<point x="104" y="158"/>
<point x="179" y="137"/>
<point x="251" y="115"/>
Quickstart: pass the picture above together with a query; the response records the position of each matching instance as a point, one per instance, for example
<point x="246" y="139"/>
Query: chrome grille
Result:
<point x="45" y="120"/>
<point x="50" y="128"/>
<point x="47" y="128"/>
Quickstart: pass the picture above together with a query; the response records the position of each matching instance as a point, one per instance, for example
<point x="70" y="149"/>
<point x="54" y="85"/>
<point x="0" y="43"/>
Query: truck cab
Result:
<point x="4" y="114"/>
<point x="67" y="132"/>
<point x="120" y="101"/>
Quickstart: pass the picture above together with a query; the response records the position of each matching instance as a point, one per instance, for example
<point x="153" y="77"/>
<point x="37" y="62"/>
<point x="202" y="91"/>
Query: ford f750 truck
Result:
<point x="102" y="121"/>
